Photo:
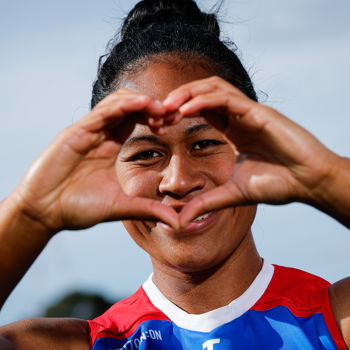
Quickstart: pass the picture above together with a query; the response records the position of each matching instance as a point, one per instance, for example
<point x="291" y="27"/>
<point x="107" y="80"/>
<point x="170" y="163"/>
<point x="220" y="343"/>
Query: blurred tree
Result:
<point x="79" y="305"/>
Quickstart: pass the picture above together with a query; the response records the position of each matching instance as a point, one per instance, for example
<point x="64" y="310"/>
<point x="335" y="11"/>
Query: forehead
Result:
<point x="159" y="78"/>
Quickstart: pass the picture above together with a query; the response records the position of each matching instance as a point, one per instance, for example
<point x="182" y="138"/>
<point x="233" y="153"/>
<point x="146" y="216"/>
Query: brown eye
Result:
<point x="146" y="155"/>
<point x="203" y="144"/>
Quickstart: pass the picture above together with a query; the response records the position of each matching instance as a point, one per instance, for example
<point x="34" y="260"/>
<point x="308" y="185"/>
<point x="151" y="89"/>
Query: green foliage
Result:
<point x="79" y="305"/>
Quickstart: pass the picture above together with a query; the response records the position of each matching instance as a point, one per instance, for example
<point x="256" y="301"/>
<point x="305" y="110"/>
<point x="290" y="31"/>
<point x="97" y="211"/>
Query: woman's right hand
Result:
<point x="73" y="183"/>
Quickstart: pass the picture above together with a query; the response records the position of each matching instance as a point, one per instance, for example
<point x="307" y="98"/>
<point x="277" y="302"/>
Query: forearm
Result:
<point x="6" y="344"/>
<point x="21" y="241"/>
<point x="333" y="194"/>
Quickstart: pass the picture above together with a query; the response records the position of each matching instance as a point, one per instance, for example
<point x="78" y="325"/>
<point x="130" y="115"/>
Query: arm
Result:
<point x="72" y="185"/>
<point x="21" y="241"/>
<point x="6" y="344"/>
<point x="340" y="303"/>
<point x="332" y="196"/>
<point x="43" y="334"/>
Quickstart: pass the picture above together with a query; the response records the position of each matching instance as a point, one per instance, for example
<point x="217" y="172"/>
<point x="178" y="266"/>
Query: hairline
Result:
<point x="178" y="59"/>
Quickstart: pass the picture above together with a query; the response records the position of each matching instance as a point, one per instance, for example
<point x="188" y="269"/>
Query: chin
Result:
<point x="202" y="248"/>
<point x="191" y="259"/>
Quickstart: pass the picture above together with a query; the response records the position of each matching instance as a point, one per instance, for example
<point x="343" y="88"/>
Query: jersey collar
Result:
<point x="212" y="319"/>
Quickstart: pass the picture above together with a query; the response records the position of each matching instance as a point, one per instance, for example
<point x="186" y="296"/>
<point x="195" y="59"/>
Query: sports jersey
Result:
<point x="284" y="308"/>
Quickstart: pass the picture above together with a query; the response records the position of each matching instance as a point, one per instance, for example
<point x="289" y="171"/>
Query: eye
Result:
<point x="204" y="144"/>
<point x="146" y="155"/>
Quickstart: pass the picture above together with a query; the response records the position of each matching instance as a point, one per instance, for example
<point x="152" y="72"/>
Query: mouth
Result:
<point x="202" y="217"/>
<point x="200" y="223"/>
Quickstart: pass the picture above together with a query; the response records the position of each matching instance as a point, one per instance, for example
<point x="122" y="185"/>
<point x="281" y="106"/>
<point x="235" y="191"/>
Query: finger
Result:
<point x="159" y="125"/>
<point x="91" y="130"/>
<point x="155" y="122"/>
<point x="112" y="97"/>
<point x="233" y="104"/>
<point x="188" y="91"/>
<point x="224" y="196"/>
<point x="173" y="119"/>
<point x="128" y="208"/>
<point x="119" y="96"/>
<point x="117" y="109"/>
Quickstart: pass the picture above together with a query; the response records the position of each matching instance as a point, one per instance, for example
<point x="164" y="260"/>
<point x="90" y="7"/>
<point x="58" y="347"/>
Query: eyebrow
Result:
<point x="135" y="139"/>
<point x="152" y="138"/>
<point x="198" y="127"/>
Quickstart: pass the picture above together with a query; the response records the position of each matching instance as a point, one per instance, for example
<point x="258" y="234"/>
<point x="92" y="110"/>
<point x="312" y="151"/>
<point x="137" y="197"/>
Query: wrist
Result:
<point x="19" y="219"/>
<point x="22" y="239"/>
<point x="324" y="190"/>
<point x="333" y="193"/>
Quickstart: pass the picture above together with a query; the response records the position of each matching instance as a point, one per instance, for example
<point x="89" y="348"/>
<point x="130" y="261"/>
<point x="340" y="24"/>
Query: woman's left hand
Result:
<point x="278" y="161"/>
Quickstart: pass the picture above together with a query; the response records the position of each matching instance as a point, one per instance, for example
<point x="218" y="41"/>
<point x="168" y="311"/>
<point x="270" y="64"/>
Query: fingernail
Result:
<point x="158" y="103"/>
<point x="160" y="122"/>
<point x="141" y="98"/>
<point x="157" y="122"/>
<point x="182" y="109"/>
<point x="167" y="101"/>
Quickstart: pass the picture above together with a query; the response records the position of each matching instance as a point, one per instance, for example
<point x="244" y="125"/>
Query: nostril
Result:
<point x="172" y="195"/>
<point x="182" y="194"/>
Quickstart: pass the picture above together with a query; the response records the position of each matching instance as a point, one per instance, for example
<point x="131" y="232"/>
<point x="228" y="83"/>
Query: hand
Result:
<point x="73" y="184"/>
<point x="278" y="161"/>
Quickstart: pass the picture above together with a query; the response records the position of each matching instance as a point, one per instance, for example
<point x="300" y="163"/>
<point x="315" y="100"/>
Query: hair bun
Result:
<point x="148" y="13"/>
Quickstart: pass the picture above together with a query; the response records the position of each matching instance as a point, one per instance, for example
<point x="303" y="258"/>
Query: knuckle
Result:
<point x="215" y="80"/>
<point x="202" y="203"/>
<point x="65" y="133"/>
<point x="121" y="91"/>
<point x="100" y="113"/>
<point x="228" y="100"/>
<point x="146" y="99"/>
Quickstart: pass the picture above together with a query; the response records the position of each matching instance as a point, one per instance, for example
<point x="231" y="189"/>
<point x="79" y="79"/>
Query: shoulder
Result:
<point x="339" y="295"/>
<point x="306" y="296"/>
<point x="47" y="333"/>
<point x="298" y="290"/>
<point x="124" y="317"/>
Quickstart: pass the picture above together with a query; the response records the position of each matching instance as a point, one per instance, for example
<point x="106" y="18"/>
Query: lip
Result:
<point x="193" y="226"/>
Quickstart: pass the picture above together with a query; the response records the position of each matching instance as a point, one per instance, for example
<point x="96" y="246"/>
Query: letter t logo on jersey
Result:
<point x="209" y="344"/>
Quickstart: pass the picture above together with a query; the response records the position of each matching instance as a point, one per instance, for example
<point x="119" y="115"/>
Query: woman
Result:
<point x="177" y="147"/>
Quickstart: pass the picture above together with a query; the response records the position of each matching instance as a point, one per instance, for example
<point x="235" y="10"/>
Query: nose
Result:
<point x="180" y="177"/>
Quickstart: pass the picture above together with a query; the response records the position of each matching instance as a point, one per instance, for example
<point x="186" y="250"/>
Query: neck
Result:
<point x="197" y="292"/>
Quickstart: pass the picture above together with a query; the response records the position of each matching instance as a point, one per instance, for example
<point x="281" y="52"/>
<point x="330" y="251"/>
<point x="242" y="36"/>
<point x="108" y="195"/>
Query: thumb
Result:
<point x="221" y="197"/>
<point x="131" y="208"/>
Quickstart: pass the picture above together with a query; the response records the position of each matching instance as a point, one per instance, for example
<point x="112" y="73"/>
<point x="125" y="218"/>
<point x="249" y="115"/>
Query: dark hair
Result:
<point x="159" y="27"/>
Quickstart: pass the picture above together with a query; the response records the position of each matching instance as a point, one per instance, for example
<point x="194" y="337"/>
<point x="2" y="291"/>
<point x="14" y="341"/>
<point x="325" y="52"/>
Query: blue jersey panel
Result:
<point x="276" y="328"/>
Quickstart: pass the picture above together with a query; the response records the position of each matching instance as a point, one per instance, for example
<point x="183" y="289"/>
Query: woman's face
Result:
<point x="189" y="159"/>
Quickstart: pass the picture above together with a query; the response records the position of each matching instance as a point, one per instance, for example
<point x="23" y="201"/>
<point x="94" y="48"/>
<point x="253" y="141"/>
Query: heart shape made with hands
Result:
<point x="258" y="170"/>
<point x="74" y="184"/>
<point x="188" y="100"/>
<point x="267" y="169"/>
<point x="86" y="153"/>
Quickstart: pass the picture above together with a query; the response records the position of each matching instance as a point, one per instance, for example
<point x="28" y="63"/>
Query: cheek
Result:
<point x="222" y="168"/>
<point x="137" y="183"/>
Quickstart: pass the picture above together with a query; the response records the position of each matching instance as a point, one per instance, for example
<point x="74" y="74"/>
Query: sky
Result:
<point x="298" y="54"/>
